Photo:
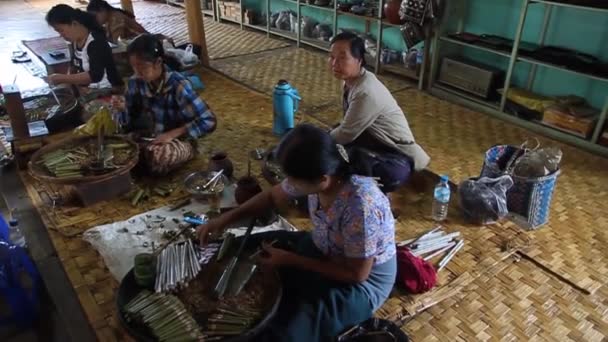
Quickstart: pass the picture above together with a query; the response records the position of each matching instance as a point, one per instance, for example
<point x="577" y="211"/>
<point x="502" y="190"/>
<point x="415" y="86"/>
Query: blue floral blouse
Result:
<point x="359" y="224"/>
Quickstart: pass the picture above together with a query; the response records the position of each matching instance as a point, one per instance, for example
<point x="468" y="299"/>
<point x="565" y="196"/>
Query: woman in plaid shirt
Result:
<point x="163" y="106"/>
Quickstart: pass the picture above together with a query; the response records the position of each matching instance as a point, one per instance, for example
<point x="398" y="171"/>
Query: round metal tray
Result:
<point x="129" y="289"/>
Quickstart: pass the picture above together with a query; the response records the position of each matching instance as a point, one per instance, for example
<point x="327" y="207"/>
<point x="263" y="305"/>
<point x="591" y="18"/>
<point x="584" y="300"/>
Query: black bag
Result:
<point x="374" y="330"/>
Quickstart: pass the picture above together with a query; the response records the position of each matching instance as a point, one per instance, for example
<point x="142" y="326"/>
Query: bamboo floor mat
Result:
<point x="484" y="250"/>
<point x="304" y="69"/>
<point x="573" y="242"/>
<point x="516" y="303"/>
<point x="245" y="113"/>
<point x="223" y="40"/>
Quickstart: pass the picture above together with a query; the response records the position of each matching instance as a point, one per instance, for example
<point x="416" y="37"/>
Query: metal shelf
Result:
<point x="230" y="20"/>
<point x="319" y="44"/>
<point x="400" y="69"/>
<point x="324" y="8"/>
<point x="284" y="34"/>
<point x="474" y="46"/>
<point x="553" y="66"/>
<point x="256" y="27"/>
<point x="467" y="96"/>
<point x="456" y="97"/>
<point x="522" y="58"/>
<point x="362" y="17"/>
<point x="298" y="37"/>
<point x="386" y="23"/>
<point x="562" y="4"/>
<point x="513" y="58"/>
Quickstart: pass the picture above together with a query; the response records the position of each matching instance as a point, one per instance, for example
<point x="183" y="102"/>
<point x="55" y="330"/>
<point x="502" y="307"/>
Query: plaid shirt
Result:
<point x="173" y="105"/>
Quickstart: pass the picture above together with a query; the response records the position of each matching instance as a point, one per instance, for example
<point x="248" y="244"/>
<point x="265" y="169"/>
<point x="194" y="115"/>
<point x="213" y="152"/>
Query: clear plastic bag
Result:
<point x="538" y="163"/>
<point x="273" y="19"/>
<point x="294" y="26"/>
<point x="308" y="26"/>
<point x="322" y="32"/>
<point x="284" y="21"/>
<point x="484" y="200"/>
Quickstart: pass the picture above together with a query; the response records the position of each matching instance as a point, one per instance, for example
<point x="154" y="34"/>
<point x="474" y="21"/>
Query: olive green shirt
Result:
<point x="370" y="107"/>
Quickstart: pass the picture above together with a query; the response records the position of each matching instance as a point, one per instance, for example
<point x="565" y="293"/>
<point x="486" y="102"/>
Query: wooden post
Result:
<point x="16" y="112"/>
<point x="196" y="28"/>
<point x="127" y="5"/>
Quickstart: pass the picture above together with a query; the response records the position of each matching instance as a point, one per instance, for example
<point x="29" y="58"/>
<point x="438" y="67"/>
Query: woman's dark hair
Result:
<point x="149" y="48"/>
<point x="357" y="44"/>
<point x="95" y="6"/>
<point x="308" y="153"/>
<point x="66" y="15"/>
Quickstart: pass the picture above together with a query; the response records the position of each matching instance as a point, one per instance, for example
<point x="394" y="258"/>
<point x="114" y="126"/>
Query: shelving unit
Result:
<point x="207" y="12"/>
<point x="513" y="58"/>
<point x="374" y="24"/>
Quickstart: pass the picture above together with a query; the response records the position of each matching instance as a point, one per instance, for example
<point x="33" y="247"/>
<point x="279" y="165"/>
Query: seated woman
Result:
<point x="162" y="104"/>
<point x="91" y="56"/>
<point x="117" y="22"/>
<point x="374" y="125"/>
<point x="337" y="275"/>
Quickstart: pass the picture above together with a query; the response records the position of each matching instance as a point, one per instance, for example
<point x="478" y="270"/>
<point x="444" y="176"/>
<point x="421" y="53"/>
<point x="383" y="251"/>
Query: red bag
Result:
<point x="414" y="273"/>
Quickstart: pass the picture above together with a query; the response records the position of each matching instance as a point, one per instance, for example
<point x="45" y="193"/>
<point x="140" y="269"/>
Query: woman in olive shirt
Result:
<point x="374" y="127"/>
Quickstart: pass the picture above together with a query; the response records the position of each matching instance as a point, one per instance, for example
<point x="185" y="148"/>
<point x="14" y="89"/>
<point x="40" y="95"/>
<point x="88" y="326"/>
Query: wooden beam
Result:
<point x="127" y="5"/>
<point x="196" y="28"/>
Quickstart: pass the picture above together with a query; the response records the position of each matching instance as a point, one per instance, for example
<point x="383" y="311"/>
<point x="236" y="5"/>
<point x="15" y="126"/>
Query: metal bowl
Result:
<point x="194" y="183"/>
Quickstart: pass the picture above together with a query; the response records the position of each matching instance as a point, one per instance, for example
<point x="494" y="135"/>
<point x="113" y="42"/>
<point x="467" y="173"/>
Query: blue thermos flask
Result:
<point x="285" y="101"/>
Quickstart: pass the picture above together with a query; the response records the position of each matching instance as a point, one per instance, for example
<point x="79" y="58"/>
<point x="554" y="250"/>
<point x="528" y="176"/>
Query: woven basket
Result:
<point x="40" y="173"/>
<point x="529" y="200"/>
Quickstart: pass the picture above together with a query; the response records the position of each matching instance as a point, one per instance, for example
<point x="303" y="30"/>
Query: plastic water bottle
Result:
<point x="14" y="233"/>
<point x="441" y="199"/>
<point x="419" y="60"/>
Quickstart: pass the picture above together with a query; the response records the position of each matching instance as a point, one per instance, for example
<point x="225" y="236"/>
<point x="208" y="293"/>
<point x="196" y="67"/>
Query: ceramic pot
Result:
<point x="246" y="187"/>
<point x="391" y="11"/>
<point x="219" y="161"/>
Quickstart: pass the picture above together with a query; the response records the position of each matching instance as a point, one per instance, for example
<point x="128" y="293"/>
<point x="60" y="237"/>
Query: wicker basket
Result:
<point x="529" y="200"/>
<point x="39" y="172"/>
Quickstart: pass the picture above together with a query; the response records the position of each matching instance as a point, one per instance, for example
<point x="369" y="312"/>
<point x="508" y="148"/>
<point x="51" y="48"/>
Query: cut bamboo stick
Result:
<point x="450" y="255"/>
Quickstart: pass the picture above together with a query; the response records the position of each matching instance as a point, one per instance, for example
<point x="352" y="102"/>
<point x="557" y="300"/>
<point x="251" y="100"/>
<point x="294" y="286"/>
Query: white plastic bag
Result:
<point x="185" y="57"/>
<point x="189" y="56"/>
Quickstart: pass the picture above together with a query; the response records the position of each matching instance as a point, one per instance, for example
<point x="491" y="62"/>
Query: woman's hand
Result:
<point x="164" y="138"/>
<point x="276" y="256"/>
<point x="204" y="231"/>
<point x="54" y="79"/>
<point x="170" y="135"/>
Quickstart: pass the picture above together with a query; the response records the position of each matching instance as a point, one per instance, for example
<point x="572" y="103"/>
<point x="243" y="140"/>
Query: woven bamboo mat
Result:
<point x="573" y="241"/>
<point x="517" y="303"/>
<point x="484" y="250"/>
<point x="244" y="113"/>
<point x="241" y="113"/>
<point x="305" y="70"/>
<point x="223" y="40"/>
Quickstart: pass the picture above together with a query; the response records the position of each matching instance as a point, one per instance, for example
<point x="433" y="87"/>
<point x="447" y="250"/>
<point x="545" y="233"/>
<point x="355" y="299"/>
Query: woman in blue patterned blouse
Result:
<point x="162" y="105"/>
<point x="337" y="275"/>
